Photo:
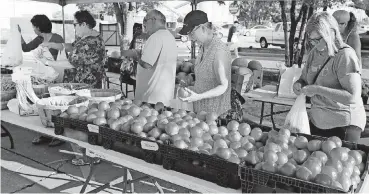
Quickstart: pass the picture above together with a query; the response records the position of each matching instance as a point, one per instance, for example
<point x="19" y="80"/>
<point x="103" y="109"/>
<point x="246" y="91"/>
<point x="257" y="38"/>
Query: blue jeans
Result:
<point x="349" y="133"/>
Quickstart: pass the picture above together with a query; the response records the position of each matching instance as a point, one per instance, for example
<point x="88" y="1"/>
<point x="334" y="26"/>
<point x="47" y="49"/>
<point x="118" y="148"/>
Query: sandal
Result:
<point x="81" y="162"/>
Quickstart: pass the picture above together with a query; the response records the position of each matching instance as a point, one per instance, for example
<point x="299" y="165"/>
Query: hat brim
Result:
<point x="185" y="30"/>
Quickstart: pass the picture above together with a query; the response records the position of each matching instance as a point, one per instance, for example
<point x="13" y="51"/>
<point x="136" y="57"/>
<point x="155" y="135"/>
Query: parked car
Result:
<point x="224" y="29"/>
<point x="364" y="39"/>
<point x="362" y="28"/>
<point x="274" y="36"/>
<point x="251" y="31"/>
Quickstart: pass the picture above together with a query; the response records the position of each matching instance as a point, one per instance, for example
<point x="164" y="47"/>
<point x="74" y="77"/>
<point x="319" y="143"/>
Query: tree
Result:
<point x="362" y="4"/>
<point x="120" y="10"/>
<point x="304" y="10"/>
<point x="255" y="11"/>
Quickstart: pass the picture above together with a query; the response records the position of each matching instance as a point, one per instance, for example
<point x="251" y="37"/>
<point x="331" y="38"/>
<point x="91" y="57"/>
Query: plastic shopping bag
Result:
<point x="288" y="78"/>
<point x="12" y="55"/>
<point x="41" y="57"/>
<point x="60" y="65"/>
<point x="297" y="119"/>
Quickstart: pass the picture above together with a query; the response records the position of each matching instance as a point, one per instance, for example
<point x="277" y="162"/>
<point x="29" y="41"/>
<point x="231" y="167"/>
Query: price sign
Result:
<point x="93" y="128"/>
<point x="233" y="8"/>
<point x="147" y="145"/>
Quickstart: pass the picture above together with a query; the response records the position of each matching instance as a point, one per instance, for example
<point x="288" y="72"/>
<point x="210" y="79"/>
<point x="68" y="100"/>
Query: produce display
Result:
<point x="39" y="81"/>
<point x="324" y="162"/>
<point x="7" y="84"/>
<point x="185" y="73"/>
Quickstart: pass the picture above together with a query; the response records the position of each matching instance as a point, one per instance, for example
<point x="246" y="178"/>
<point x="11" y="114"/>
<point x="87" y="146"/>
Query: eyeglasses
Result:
<point x="193" y="31"/>
<point x="315" y="41"/>
<point x="75" y="24"/>
<point x="147" y="19"/>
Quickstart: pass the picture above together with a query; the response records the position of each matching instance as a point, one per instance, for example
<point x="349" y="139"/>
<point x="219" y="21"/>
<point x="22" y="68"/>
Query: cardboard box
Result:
<point x="242" y="83"/>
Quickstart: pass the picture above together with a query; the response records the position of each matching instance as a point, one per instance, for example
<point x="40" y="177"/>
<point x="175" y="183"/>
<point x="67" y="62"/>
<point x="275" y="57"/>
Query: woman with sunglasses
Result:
<point x="331" y="77"/>
<point x="42" y="27"/>
<point x="212" y="89"/>
<point x="87" y="53"/>
<point x="348" y="28"/>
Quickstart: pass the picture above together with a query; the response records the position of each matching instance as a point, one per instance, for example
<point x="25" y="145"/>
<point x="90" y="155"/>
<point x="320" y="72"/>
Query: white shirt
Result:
<point x="157" y="84"/>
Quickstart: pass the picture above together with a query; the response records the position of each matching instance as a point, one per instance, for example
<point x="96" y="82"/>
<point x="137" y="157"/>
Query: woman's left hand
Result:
<point x="310" y="90"/>
<point x="193" y="96"/>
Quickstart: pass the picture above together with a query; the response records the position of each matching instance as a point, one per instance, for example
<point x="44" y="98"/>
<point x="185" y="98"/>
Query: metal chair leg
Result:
<point x="6" y="133"/>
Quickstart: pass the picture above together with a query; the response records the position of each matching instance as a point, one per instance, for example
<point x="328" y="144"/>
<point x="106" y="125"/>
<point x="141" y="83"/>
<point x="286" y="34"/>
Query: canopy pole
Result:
<point x="63" y="22"/>
<point x="193" y="45"/>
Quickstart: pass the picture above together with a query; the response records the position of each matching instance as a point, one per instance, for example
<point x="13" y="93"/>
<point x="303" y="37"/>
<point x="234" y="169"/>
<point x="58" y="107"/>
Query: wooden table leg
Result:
<point x="6" y="133"/>
<point x="262" y="113"/>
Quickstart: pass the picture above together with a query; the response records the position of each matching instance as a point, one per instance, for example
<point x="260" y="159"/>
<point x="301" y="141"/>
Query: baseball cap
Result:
<point x="193" y="19"/>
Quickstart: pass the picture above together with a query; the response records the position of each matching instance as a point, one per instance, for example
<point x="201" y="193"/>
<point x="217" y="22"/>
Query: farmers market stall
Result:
<point x="268" y="95"/>
<point x="33" y="123"/>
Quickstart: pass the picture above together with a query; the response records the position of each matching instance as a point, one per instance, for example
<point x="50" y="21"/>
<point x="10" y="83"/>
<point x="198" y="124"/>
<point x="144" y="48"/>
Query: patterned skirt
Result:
<point x="235" y="113"/>
<point x="96" y="80"/>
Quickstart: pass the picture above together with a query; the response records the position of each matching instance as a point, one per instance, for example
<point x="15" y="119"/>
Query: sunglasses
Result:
<point x="147" y="19"/>
<point x="193" y="31"/>
<point x="75" y="24"/>
<point x="315" y="41"/>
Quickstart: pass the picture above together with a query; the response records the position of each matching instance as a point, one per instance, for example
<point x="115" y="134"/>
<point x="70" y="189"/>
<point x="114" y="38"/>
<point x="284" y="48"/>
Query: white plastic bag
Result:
<point x="12" y="55"/>
<point x="60" y="65"/>
<point x="42" y="56"/>
<point x="297" y="119"/>
<point x="288" y="78"/>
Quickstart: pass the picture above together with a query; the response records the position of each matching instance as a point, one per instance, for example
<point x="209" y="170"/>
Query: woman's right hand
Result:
<point x="297" y="86"/>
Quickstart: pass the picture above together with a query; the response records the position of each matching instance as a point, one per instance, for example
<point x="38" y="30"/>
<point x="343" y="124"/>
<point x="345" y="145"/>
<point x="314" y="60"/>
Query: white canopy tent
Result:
<point x="65" y="2"/>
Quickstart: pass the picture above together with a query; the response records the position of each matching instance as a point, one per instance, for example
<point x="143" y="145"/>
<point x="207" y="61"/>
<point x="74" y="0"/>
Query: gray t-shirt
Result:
<point x="327" y="113"/>
<point x="157" y="84"/>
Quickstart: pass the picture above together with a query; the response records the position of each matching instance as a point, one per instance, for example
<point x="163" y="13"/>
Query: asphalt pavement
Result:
<point x="33" y="169"/>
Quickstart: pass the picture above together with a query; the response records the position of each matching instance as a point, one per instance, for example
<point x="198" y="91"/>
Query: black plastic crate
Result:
<point x="256" y="181"/>
<point x="129" y="144"/>
<point x="75" y="124"/>
<point x="207" y="167"/>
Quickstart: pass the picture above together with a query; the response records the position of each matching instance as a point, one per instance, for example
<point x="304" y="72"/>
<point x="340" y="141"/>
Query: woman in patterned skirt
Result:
<point x="87" y="53"/>
<point x="212" y="90"/>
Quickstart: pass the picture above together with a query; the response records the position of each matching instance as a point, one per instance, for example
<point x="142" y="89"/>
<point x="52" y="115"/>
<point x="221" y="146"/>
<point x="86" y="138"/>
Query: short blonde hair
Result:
<point x="326" y="25"/>
<point x="209" y="27"/>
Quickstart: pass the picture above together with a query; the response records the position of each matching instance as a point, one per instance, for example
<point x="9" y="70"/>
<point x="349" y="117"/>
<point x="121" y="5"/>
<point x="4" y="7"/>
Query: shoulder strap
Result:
<point x="325" y="63"/>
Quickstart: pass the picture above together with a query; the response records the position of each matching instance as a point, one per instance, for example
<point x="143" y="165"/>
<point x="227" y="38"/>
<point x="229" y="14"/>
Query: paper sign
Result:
<point x="93" y="128"/>
<point x="93" y="154"/>
<point x="147" y="145"/>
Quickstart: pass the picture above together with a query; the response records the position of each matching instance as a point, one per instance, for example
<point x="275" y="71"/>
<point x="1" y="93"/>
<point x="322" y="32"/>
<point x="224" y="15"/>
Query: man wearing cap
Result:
<point x="155" y="78"/>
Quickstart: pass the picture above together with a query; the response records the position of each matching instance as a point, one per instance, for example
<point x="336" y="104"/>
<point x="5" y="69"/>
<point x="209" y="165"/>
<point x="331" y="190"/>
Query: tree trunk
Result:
<point x="121" y="16"/>
<point x="284" y="20"/>
<point x="292" y="32"/>
<point x="302" y="27"/>
<point x="303" y="47"/>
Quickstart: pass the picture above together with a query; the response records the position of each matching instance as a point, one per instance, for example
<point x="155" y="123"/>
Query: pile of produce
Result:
<point x="185" y="130"/>
<point x="7" y="84"/>
<point x="39" y="81"/>
<point x="185" y="73"/>
<point x="324" y="162"/>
